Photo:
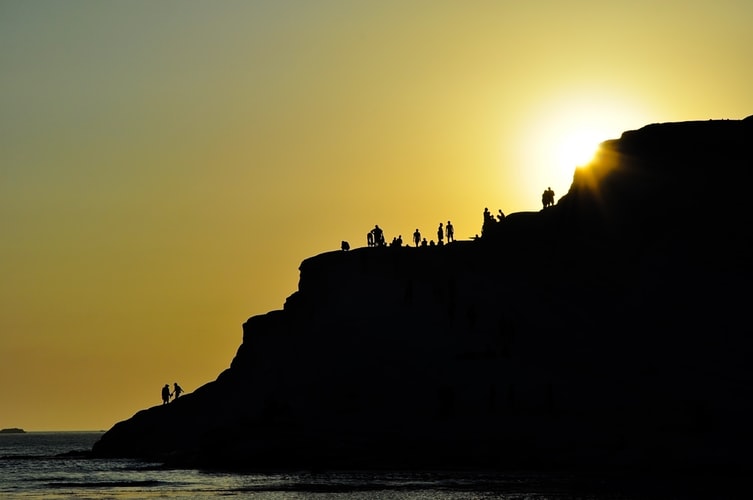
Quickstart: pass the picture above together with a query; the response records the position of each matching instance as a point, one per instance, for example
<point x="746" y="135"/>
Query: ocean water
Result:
<point x="51" y="465"/>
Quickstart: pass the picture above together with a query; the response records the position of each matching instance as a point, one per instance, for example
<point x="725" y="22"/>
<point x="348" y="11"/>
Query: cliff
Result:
<point x="610" y="330"/>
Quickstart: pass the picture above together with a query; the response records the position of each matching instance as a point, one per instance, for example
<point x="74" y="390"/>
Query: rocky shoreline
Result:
<point x="608" y="331"/>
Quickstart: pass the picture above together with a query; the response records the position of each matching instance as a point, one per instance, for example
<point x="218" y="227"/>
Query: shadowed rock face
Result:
<point x="610" y="330"/>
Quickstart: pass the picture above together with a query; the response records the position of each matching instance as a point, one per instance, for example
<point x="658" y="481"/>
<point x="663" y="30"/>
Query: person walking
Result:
<point x="166" y="394"/>
<point x="177" y="390"/>
<point x="417" y="237"/>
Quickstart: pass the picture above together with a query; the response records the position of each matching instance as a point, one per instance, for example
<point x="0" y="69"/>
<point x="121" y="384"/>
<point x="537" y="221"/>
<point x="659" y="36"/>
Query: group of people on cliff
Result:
<point x="375" y="237"/>
<point x="167" y="394"/>
<point x="443" y="232"/>
<point x="490" y="221"/>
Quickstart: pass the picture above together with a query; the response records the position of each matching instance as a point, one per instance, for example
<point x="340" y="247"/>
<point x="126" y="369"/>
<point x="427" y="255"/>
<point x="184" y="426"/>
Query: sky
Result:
<point x="166" y="166"/>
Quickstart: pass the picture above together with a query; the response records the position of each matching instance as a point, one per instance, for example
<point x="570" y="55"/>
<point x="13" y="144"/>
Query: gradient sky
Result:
<point x="165" y="166"/>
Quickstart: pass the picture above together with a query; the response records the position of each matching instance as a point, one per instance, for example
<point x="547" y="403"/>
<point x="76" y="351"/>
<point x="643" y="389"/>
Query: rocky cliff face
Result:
<point x="610" y="330"/>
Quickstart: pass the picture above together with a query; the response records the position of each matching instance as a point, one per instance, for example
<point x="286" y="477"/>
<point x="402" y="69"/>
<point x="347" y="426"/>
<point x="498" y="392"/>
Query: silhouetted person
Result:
<point x="399" y="240"/>
<point x="440" y="233"/>
<point x="424" y="243"/>
<point x="177" y="390"/>
<point x="547" y="198"/>
<point x="345" y="246"/>
<point x="370" y="238"/>
<point x="500" y="216"/>
<point x="417" y="237"/>
<point x="450" y="232"/>
<point x="378" y="236"/>
<point x="488" y="222"/>
<point x="166" y="394"/>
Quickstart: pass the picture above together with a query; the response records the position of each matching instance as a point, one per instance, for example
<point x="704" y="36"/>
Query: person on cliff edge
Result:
<point x="177" y="390"/>
<point x="166" y="394"/>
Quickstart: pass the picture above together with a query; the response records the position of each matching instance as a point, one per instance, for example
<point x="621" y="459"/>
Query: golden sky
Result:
<point x="166" y="166"/>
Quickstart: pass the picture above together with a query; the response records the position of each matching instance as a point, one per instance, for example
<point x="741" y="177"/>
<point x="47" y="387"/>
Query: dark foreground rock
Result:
<point x="609" y="331"/>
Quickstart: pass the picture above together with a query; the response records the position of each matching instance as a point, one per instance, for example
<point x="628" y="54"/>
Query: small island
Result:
<point x="12" y="430"/>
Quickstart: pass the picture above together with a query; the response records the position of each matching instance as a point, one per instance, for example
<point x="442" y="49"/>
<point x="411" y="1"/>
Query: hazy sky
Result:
<point x="165" y="166"/>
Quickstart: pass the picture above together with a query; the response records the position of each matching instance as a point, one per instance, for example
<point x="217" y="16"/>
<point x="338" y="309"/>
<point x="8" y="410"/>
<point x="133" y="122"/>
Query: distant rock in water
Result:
<point x="12" y="430"/>
<point x="608" y="331"/>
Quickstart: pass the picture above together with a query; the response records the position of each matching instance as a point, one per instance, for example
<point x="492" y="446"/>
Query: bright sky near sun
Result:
<point x="166" y="166"/>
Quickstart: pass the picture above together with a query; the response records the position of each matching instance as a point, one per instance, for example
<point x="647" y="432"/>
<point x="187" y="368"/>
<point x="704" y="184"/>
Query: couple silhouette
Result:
<point x="166" y="394"/>
<point x="547" y="197"/>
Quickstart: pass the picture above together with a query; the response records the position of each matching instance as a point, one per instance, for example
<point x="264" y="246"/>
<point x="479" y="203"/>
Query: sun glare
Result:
<point x="578" y="148"/>
<point x="565" y="133"/>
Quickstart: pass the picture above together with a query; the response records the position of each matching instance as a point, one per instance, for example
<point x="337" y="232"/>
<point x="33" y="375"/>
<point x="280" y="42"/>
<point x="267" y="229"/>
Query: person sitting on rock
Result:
<point x="487" y="215"/>
<point x="489" y="222"/>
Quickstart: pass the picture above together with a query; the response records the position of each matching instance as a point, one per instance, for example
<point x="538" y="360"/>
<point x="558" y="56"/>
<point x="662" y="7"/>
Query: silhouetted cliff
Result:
<point x="609" y="330"/>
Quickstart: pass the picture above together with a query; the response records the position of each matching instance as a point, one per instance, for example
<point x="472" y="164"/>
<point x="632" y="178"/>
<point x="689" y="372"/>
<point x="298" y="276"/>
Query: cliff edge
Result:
<point x="610" y="330"/>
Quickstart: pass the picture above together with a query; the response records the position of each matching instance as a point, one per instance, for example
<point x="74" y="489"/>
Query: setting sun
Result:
<point x="578" y="148"/>
<point x="565" y="133"/>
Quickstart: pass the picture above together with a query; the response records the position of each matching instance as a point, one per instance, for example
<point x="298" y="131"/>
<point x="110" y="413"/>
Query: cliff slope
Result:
<point x="609" y="330"/>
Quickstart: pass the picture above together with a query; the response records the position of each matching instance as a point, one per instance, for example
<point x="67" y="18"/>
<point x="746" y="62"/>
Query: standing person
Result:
<point x="547" y="199"/>
<point x="378" y="236"/>
<point x="166" y="394"/>
<point x="177" y="390"/>
<point x="440" y="233"/>
<point x="450" y="232"/>
<point x="417" y="237"/>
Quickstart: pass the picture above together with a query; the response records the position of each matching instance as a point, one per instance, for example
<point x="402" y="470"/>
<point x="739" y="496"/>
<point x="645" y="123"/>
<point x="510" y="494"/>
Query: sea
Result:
<point x="57" y="465"/>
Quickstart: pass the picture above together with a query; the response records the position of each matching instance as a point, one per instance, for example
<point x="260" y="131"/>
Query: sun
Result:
<point x="578" y="147"/>
<point x="565" y="132"/>
<point x="574" y="137"/>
